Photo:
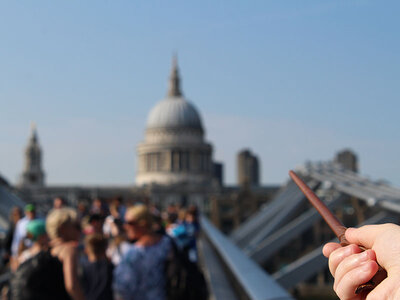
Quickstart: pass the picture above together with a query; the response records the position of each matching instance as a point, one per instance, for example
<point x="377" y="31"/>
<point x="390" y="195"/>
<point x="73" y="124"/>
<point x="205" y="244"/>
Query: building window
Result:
<point x="185" y="161"/>
<point x="176" y="161"/>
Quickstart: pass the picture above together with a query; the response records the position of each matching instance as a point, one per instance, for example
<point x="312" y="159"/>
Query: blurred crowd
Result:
<point x="105" y="250"/>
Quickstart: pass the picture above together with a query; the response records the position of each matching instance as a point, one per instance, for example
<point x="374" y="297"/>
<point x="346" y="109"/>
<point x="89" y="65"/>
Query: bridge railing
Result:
<point x="247" y="278"/>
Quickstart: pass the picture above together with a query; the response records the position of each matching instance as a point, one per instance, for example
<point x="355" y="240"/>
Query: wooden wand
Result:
<point x="337" y="227"/>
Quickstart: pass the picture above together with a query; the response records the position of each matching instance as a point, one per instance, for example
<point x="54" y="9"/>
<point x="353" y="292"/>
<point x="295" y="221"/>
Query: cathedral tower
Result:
<point x="33" y="175"/>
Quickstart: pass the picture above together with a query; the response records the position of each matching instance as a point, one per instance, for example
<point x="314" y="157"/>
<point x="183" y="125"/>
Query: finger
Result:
<point x="345" y="288"/>
<point x="368" y="234"/>
<point x="329" y="248"/>
<point x="338" y="255"/>
<point x="352" y="262"/>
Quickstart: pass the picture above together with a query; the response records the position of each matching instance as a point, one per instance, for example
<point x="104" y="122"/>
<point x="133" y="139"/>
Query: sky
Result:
<point x="293" y="81"/>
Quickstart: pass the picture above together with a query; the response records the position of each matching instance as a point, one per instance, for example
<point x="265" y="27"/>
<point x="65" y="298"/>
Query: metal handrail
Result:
<point x="255" y="283"/>
<point x="348" y="182"/>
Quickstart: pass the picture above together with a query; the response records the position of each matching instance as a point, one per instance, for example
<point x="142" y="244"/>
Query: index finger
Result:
<point x="329" y="248"/>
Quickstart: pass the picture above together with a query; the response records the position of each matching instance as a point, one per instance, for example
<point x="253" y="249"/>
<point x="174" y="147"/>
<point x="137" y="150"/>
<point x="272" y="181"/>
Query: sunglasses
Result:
<point x="131" y="223"/>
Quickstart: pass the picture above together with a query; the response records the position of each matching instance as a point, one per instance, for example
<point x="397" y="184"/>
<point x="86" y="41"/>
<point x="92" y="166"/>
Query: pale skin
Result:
<point x="142" y="233"/>
<point x="352" y="267"/>
<point x="42" y="244"/>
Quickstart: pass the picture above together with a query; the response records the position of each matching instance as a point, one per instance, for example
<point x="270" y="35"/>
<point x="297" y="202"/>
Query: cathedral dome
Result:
<point x="174" y="112"/>
<point x="174" y="150"/>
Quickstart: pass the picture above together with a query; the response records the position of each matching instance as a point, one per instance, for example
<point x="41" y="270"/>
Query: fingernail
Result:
<point x="363" y="256"/>
<point x="350" y="249"/>
<point x="346" y="250"/>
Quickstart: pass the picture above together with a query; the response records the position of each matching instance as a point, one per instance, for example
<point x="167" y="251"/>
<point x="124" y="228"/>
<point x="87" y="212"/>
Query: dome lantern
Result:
<point x="174" y="80"/>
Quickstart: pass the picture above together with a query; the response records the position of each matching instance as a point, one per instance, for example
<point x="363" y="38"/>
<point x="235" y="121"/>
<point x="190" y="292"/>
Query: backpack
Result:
<point x="39" y="278"/>
<point x="185" y="281"/>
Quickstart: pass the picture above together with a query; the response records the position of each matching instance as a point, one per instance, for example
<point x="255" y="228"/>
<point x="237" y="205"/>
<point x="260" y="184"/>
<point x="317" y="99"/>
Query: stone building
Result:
<point x="174" y="149"/>
<point x="347" y="159"/>
<point x="32" y="175"/>
<point x="175" y="165"/>
<point x="248" y="169"/>
<point x="234" y="205"/>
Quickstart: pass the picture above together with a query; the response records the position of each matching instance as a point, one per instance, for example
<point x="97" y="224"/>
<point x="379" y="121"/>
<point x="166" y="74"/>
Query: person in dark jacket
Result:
<point x="98" y="270"/>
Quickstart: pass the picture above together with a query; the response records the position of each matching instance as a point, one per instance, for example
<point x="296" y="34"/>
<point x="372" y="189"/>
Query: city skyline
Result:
<point x="292" y="82"/>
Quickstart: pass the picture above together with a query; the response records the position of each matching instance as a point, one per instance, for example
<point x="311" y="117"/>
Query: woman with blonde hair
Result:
<point x="63" y="229"/>
<point x="141" y="274"/>
<point x="50" y="274"/>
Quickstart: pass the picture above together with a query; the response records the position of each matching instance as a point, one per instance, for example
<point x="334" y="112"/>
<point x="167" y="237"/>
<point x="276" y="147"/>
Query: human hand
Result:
<point x="352" y="267"/>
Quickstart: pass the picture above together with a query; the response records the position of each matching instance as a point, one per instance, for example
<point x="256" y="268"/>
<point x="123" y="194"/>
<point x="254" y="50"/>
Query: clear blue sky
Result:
<point x="291" y="80"/>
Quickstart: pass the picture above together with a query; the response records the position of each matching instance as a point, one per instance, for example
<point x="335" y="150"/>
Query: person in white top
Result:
<point x="20" y="234"/>
<point x="20" y="228"/>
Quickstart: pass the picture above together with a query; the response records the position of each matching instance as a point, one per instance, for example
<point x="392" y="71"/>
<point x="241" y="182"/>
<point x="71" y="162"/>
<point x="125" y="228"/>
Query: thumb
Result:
<point x="366" y="235"/>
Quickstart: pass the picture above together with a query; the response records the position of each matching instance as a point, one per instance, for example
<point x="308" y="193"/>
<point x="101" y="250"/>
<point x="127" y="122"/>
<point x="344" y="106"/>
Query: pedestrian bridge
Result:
<point x="280" y="247"/>
<point x="236" y="265"/>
